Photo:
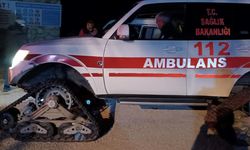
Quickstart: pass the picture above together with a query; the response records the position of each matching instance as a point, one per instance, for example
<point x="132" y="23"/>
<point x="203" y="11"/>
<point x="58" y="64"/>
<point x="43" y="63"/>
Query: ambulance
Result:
<point x="203" y="52"/>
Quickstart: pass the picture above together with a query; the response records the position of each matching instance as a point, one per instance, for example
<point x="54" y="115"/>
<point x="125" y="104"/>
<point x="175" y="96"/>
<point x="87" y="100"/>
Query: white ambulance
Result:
<point x="201" y="51"/>
<point x="208" y="59"/>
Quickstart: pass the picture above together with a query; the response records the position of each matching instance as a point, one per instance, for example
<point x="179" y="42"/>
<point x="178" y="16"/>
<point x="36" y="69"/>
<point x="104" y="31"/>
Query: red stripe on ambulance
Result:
<point x="148" y="63"/>
<point x="160" y="75"/>
<point x="31" y="56"/>
<point x="89" y="61"/>
<point x="217" y="76"/>
<point x="92" y="75"/>
<point x="57" y="58"/>
<point x="166" y="63"/>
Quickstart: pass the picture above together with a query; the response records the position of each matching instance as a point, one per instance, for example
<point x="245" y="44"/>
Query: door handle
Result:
<point x="170" y="49"/>
<point x="100" y="63"/>
<point x="244" y="49"/>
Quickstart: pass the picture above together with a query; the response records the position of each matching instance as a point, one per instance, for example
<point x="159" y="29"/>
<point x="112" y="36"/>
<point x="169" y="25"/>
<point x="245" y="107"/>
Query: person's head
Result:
<point x="90" y="25"/>
<point x="162" y="19"/>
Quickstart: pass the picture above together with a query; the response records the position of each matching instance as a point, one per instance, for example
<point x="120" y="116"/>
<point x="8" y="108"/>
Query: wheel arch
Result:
<point x="244" y="80"/>
<point x="53" y="70"/>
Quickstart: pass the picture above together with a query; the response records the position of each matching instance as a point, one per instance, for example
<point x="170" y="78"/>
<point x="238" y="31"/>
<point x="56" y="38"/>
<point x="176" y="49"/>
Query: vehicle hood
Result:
<point x="65" y="46"/>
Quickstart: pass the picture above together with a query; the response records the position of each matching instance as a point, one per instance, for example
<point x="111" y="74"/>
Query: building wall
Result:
<point x="41" y="1"/>
<point x="14" y="36"/>
<point x="42" y="33"/>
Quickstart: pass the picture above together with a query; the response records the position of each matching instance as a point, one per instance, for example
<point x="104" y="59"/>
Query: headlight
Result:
<point x="20" y="55"/>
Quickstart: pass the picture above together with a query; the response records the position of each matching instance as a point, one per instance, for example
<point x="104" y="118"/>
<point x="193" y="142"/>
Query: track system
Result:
<point x="53" y="114"/>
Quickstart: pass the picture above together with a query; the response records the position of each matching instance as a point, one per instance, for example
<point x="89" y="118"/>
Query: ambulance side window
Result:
<point x="149" y="32"/>
<point x="242" y="21"/>
<point x="142" y="23"/>
<point x="206" y="21"/>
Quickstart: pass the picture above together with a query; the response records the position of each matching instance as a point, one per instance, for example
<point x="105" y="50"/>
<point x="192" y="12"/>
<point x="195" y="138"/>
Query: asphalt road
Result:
<point x="137" y="128"/>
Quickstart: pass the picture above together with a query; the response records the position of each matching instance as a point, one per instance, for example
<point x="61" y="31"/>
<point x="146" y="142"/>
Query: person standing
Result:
<point x="16" y="36"/>
<point x="7" y="18"/>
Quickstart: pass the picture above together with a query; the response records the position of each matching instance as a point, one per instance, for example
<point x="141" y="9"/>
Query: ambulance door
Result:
<point x="146" y="64"/>
<point x="210" y="50"/>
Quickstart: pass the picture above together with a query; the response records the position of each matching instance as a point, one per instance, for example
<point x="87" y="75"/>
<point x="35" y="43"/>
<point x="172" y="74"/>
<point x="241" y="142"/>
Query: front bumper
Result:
<point x="17" y="73"/>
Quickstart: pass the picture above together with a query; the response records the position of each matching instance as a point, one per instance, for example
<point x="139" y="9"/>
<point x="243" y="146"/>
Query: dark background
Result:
<point x="76" y="12"/>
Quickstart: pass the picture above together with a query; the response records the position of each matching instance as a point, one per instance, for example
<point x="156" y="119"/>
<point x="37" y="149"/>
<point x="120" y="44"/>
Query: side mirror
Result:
<point x="123" y="32"/>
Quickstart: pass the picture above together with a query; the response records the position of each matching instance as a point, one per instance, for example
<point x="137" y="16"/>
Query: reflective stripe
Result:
<point x="31" y="56"/>
<point x="173" y="75"/>
<point x="54" y="58"/>
<point x="217" y="76"/>
<point x="138" y="62"/>
<point x="92" y="75"/>
<point x="133" y="62"/>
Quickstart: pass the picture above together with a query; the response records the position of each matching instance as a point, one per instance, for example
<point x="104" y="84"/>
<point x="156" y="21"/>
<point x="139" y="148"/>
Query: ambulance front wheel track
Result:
<point x="87" y="130"/>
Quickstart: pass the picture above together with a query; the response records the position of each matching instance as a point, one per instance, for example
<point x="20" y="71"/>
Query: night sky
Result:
<point x="76" y="13"/>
